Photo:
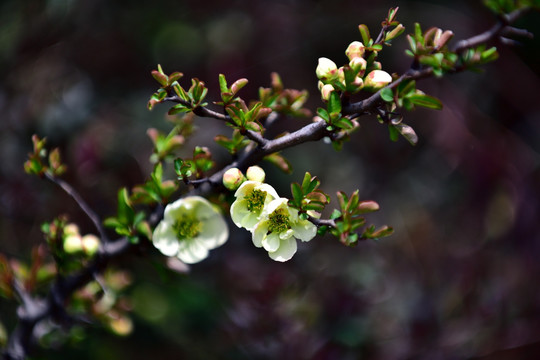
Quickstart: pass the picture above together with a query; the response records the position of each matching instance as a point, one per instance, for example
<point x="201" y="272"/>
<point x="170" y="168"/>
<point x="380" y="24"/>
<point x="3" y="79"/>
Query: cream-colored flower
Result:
<point x="190" y="228"/>
<point x="251" y="198"/>
<point x="279" y="228"/>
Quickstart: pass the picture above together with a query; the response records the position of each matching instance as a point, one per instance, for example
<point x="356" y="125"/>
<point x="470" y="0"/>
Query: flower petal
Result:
<point x="286" y="250"/>
<point x="246" y="187"/>
<point x="304" y="230"/>
<point x="164" y="239"/>
<point x="192" y="251"/>
<point x="259" y="233"/>
<point x="239" y="211"/>
<point x="214" y="232"/>
<point x="271" y="242"/>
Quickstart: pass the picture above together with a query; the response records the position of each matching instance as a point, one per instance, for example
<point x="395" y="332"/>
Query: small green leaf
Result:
<point x="387" y="94"/>
<point x="394" y="134"/>
<point x="407" y="132"/>
<point x="281" y="162"/>
<point x="335" y="214"/>
<point x="323" y="114"/>
<point x="306" y="182"/>
<point x="297" y="194"/>
<point x="125" y="210"/>
<point x="364" y="32"/>
<point x="223" y="84"/>
<point x="426" y="101"/>
<point x="161" y="78"/>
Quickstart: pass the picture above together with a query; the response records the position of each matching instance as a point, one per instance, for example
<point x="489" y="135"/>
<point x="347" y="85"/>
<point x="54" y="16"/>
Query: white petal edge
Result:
<point x="285" y="252"/>
<point x="192" y="251"/>
<point x="304" y="230"/>
<point x="164" y="239"/>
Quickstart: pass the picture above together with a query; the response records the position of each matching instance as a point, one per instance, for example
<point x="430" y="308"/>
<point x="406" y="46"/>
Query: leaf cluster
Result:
<point x="127" y="221"/>
<point x="307" y="197"/>
<point x="41" y="161"/>
<point x="348" y="220"/>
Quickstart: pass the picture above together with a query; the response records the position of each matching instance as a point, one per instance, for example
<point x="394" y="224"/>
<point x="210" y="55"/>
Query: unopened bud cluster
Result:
<point x="233" y="178"/>
<point x="332" y="78"/>
<point x="74" y="243"/>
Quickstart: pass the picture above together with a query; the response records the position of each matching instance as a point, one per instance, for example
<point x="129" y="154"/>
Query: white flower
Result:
<point x="251" y="198"/>
<point x="279" y="228"/>
<point x="190" y="227"/>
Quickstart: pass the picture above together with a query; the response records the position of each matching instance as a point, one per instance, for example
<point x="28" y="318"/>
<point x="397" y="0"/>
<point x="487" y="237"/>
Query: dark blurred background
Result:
<point x="455" y="281"/>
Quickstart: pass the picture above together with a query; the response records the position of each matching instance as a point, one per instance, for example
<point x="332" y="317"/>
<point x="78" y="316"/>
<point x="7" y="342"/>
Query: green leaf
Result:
<point x="387" y="94"/>
<point x="323" y="114"/>
<point x="426" y="101"/>
<point x="280" y="162"/>
<point x="343" y="123"/>
<point x="406" y="87"/>
<point x="125" y="210"/>
<point x="223" y="84"/>
<point x="162" y="79"/>
<point x="394" y="134"/>
<point x="297" y="194"/>
<point x="418" y="33"/>
<point x="335" y="214"/>
<point x="364" y="32"/>
<point x="306" y="182"/>
<point x="178" y="108"/>
<point x="407" y="132"/>
<point x="238" y="84"/>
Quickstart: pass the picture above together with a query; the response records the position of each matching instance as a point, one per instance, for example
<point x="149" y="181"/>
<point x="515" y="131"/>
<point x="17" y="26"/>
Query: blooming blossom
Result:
<point x="251" y="198"/>
<point x="190" y="228"/>
<point x="279" y="228"/>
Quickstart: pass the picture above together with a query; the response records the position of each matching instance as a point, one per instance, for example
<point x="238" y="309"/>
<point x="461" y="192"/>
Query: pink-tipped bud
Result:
<point x="377" y="79"/>
<point x="233" y="178"/>
<point x="326" y="90"/>
<point x="355" y="49"/>
<point x="359" y="65"/>
<point x="376" y="65"/>
<point x="255" y="173"/>
<point x="326" y="69"/>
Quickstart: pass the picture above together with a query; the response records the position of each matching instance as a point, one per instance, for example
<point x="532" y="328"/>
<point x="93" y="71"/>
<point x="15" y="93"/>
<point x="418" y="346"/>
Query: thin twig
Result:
<point x="82" y="204"/>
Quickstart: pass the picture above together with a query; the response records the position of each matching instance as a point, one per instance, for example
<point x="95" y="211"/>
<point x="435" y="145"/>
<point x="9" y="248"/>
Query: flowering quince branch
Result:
<point x="187" y="228"/>
<point x="81" y="203"/>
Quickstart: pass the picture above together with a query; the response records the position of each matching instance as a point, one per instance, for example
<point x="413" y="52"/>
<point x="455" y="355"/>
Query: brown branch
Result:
<point x="82" y="204"/>
<point x="33" y="310"/>
<point x="492" y="33"/>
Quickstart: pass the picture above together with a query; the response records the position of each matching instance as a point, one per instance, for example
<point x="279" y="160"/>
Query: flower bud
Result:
<point x="376" y="80"/>
<point x="90" y="244"/>
<point x="341" y="75"/>
<point x="354" y="50"/>
<point x="73" y="243"/>
<point x="326" y="69"/>
<point x="376" y="65"/>
<point x="326" y="90"/>
<point x="358" y="64"/>
<point x="255" y="173"/>
<point x="71" y="229"/>
<point x="358" y="82"/>
<point x="233" y="178"/>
